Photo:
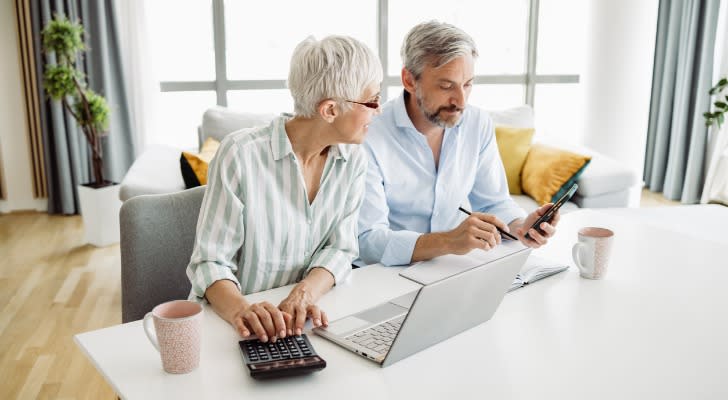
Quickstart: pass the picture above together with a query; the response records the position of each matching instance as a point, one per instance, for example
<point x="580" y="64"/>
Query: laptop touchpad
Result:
<point x="345" y="325"/>
<point x="381" y="313"/>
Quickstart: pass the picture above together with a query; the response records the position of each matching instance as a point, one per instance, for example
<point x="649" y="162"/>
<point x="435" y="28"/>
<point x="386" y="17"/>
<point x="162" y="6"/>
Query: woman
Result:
<point x="282" y="201"/>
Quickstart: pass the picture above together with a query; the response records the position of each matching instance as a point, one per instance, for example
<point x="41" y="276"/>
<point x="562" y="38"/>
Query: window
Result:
<point x="234" y="53"/>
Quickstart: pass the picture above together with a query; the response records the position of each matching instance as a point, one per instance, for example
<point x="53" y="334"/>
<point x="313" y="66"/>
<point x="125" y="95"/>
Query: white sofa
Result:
<point x="604" y="183"/>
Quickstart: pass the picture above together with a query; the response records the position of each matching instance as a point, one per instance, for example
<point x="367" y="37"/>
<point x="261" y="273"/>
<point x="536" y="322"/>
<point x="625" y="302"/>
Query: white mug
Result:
<point x="591" y="252"/>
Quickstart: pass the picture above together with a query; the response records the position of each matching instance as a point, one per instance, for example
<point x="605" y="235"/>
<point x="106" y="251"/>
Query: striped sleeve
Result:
<point x="342" y="247"/>
<point x="220" y="229"/>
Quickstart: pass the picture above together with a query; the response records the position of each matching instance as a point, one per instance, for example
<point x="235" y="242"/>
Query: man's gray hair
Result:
<point x="335" y="67"/>
<point x="435" y="44"/>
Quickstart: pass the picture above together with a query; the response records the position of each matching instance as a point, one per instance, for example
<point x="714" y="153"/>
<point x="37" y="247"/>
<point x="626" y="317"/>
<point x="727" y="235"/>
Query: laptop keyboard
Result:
<point x="379" y="337"/>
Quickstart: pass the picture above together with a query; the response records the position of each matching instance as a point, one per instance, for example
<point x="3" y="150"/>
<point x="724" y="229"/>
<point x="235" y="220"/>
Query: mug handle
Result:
<point x="149" y="330"/>
<point x="577" y="258"/>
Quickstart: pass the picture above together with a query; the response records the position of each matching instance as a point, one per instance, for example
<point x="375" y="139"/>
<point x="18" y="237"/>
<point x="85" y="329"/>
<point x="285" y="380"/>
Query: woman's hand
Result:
<point x="299" y="305"/>
<point x="264" y="319"/>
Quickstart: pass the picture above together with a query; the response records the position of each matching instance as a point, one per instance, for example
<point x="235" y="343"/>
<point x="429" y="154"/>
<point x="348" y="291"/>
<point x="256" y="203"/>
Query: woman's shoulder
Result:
<point x="248" y="139"/>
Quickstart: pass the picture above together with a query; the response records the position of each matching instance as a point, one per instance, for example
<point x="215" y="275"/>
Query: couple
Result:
<point x="295" y="201"/>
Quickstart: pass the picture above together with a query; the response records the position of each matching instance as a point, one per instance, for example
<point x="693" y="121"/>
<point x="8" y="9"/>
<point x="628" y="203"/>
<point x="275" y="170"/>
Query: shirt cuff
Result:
<point x="399" y="248"/>
<point x="335" y="261"/>
<point x="203" y="275"/>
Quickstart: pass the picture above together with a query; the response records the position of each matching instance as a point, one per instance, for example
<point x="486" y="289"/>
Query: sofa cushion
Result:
<point x="519" y="117"/>
<point x="219" y="121"/>
<point x="513" y="146"/>
<point x="604" y="175"/>
<point x="194" y="165"/>
<point x="549" y="171"/>
<point x="155" y="171"/>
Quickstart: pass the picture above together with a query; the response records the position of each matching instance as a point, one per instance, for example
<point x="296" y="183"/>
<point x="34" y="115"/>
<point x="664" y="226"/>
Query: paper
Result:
<point x="439" y="268"/>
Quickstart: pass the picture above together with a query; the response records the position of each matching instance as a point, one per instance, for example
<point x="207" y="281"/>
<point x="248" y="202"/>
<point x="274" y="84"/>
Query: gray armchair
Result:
<point x="157" y="235"/>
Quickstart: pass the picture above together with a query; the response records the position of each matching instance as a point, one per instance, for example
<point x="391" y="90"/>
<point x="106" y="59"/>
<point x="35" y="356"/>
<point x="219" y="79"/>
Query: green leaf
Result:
<point x="720" y="104"/>
<point x="723" y="82"/>
<point x="58" y="81"/>
<point x="64" y="38"/>
<point x="97" y="114"/>
<point x="720" y="119"/>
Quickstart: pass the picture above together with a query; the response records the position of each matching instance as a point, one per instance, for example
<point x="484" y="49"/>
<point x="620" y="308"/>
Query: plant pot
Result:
<point x="100" y="213"/>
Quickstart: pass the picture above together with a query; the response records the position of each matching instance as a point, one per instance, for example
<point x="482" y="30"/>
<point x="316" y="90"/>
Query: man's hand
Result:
<point x="299" y="305"/>
<point x="264" y="319"/>
<point x="477" y="231"/>
<point x="536" y="239"/>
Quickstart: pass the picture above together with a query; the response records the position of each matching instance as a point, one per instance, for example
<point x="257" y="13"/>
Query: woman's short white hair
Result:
<point x="335" y="67"/>
<point x="435" y="44"/>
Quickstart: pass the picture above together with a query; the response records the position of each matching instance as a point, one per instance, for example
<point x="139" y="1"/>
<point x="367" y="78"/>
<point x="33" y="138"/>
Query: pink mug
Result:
<point x="176" y="334"/>
<point x="591" y="252"/>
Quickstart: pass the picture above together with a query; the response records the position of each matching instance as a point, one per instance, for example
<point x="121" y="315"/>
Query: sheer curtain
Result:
<point x="716" y="181"/>
<point x="683" y="73"/>
<point x="141" y="78"/>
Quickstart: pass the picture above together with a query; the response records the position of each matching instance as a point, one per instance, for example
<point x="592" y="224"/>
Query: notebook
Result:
<point x="536" y="268"/>
<point x="411" y="323"/>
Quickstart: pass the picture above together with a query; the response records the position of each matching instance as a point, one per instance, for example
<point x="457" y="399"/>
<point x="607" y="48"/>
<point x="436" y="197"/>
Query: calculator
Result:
<point x="292" y="355"/>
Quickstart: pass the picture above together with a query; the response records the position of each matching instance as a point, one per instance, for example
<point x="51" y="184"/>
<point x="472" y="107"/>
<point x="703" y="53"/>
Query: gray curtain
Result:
<point x="683" y="70"/>
<point x="66" y="152"/>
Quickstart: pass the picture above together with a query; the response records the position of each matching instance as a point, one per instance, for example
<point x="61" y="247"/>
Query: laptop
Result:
<point x="437" y="311"/>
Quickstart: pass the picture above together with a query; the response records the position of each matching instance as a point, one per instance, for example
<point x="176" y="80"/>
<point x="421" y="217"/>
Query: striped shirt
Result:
<point x="256" y="226"/>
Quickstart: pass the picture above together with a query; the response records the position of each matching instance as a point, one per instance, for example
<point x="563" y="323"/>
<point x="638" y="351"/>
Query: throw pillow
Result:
<point x="549" y="171"/>
<point x="194" y="166"/>
<point x="513" y="145"/>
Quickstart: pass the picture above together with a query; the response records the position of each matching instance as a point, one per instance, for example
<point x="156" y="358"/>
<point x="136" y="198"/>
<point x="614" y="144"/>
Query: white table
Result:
<point x="655" y="327"/>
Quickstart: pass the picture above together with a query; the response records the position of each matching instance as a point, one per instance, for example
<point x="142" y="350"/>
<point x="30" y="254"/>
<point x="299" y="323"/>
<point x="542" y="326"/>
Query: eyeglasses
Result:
<point x="372" y="104"/>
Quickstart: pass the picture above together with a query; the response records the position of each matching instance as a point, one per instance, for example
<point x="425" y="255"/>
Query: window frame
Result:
<point x="221" y="85"/>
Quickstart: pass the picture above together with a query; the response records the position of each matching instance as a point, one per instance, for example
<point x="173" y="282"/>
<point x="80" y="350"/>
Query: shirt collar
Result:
<point x="281" y="145"/>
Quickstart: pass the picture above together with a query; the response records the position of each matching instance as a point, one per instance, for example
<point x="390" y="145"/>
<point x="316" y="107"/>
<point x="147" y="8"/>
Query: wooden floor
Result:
<point x="52" y="287"/>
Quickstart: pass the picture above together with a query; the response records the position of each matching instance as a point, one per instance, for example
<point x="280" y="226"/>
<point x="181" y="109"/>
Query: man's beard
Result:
<point x="434" y="117"/>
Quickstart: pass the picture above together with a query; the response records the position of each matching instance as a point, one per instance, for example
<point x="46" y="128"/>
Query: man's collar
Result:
<point x="401" y="118"/>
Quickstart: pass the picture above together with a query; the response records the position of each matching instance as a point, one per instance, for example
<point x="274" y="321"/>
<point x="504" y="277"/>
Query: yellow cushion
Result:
<point x="513" y="145"/>
<point x="194" y="166"/>
<point x="549" y="171"/>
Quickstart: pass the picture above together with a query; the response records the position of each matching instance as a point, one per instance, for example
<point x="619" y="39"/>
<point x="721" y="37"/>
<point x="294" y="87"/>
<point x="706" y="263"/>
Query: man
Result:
<point x="429" y="154"/>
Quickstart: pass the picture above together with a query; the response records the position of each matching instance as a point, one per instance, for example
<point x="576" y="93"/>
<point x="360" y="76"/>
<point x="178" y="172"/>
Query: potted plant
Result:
<point x="63" y="82"/>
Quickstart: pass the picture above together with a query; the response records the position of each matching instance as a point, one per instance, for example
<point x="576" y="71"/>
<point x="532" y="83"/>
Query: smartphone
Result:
<point x="550" y="213"/>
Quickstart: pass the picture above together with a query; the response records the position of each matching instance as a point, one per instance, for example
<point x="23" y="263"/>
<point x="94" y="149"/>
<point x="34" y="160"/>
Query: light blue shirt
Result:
<point x="407" y="196"/>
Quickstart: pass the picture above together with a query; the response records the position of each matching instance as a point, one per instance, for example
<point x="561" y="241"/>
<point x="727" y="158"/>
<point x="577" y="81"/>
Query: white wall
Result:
<point x="14" y="144"/>
<point x="618" y="78"/>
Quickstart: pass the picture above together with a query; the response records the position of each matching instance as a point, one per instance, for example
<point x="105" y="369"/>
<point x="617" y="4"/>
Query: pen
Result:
<point x="502" y="232"/>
